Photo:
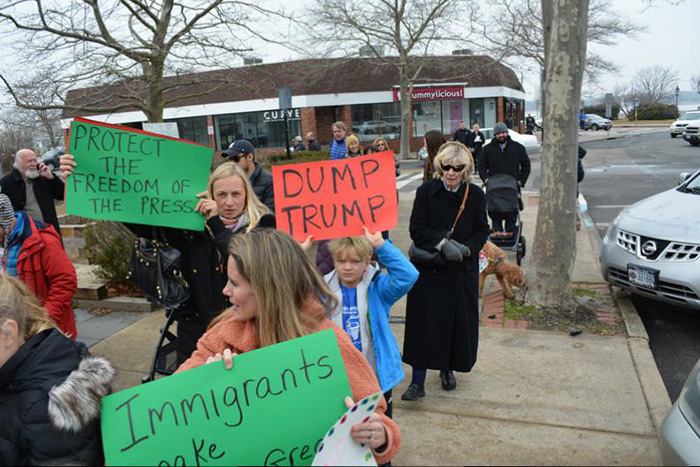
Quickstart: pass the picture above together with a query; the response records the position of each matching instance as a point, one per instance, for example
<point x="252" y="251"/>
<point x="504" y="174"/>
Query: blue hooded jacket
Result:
<point x="382" y="291"/>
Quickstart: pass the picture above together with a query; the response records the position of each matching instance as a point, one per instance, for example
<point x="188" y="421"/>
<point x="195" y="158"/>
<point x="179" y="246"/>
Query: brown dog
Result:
<point x="507" y="273"/>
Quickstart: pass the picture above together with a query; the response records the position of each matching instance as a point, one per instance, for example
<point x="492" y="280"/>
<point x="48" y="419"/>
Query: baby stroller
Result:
<point x="503" y="196"/>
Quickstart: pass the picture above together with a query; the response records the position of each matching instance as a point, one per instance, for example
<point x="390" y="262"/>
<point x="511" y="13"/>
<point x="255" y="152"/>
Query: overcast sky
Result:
<point x="672" y="39"/>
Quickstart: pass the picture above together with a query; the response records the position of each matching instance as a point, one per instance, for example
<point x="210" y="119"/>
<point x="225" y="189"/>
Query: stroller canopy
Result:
<point x="502" y="193"/>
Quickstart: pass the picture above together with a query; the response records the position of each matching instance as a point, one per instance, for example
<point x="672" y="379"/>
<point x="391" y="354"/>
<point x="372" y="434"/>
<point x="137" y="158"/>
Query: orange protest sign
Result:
<point x="332" y="199"/>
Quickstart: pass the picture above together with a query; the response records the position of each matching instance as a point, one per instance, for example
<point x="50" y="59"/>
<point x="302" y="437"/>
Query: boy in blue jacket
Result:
<point x="365" y="296"/>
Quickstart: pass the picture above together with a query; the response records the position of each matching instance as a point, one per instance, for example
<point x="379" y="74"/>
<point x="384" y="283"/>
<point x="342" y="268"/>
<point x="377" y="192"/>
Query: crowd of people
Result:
<point x="237" y="303"/>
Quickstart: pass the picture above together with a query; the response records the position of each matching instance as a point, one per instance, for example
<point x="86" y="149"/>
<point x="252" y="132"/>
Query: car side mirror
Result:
<point x="683" y="177"/>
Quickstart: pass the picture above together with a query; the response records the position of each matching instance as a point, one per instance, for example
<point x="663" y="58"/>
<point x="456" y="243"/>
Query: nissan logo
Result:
<point x="649" y="248"/>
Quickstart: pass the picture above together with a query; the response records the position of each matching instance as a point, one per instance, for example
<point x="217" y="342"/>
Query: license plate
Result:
<point x="643" y="277"/>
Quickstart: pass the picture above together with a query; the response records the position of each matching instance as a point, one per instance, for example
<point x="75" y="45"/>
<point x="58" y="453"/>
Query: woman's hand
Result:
<point x="67" y="164"/>
<point x="375" y="239"/>
<point x="227" y="356"/>
<point x="306" y="244"/>
<point x="206" y="206"/>
<point x="372" y="432"/>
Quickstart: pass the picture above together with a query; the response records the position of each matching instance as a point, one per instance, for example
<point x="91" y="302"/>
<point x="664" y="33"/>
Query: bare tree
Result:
<point x="134" y="43"/>
<point x="405" y="27"/>
<point x="654" y="84"/>
<point x="513" y="28"/>
<point x="554" y="248"/>
<point x="695" y="83"/>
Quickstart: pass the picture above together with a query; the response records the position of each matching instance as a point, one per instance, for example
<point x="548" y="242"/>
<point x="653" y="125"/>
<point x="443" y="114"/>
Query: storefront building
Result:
<point x="360" y="92"/>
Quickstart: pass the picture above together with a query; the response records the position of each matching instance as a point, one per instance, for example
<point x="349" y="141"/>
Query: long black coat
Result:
<point x="442" y="315"/>
<point x="204" y="268"/>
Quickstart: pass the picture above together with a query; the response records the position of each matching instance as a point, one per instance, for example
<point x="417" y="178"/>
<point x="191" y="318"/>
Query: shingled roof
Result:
<point x="305" y="77"/>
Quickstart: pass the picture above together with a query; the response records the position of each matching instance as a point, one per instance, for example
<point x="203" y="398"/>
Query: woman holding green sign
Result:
<point x="265" y="312"/>
<point x="230" y="206"/>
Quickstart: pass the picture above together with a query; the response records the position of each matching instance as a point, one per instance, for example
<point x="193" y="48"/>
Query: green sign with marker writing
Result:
<point x="129" y="175"/>
<point x="273" y="408"/>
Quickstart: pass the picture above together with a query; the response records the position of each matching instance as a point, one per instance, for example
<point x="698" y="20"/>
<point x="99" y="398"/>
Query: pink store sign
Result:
<point x="433" y="94"/>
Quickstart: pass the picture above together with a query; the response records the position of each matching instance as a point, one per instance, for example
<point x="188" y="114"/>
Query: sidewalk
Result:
<point x="534" y="397"/>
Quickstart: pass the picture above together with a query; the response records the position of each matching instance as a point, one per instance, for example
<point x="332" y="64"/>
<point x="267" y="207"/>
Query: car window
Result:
<point x="691" y="116"/>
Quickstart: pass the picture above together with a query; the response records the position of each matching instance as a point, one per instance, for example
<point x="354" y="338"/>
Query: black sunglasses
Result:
<point x="456" y="168"/>
<point x="236" y="157"/>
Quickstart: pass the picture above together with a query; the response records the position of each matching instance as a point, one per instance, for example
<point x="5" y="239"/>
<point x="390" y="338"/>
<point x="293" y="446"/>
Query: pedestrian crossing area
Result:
<point x="409" y="181"/>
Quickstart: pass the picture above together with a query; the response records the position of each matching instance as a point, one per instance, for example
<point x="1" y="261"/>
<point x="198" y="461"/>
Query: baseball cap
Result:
<point x="238" y="147"/>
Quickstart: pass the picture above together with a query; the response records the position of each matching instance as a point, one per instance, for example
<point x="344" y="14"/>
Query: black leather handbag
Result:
<point x="155" y="267"/>
<point x="421" y="257"/>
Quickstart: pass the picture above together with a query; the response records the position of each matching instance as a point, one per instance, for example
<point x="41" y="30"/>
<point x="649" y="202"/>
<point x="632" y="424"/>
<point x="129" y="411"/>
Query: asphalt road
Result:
<point x="618" y="173"/>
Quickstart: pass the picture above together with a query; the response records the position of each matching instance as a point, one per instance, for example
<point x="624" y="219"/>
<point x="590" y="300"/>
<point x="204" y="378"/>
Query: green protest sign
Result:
<point x="273" y="408"/>
<point x="129" y="175"/>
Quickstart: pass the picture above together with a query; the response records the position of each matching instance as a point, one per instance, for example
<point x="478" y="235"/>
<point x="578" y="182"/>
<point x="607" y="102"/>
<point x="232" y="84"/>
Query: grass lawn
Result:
<point x="625" y="121"/>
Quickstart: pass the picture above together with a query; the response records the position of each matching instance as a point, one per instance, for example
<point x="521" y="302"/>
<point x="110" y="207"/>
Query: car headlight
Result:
<point x="610" y="233"/>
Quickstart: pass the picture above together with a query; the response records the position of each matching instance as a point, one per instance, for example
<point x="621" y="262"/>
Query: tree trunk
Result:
<point x="405" y="93"/>
<point x="554" y="251"/>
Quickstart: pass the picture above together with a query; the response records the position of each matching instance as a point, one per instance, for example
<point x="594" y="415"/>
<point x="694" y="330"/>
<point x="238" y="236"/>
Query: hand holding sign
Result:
<point x="375" y="239"/>
<point x="350" y="439"/>
<point x="206" y="206"/>
<point x="226" y="356"/>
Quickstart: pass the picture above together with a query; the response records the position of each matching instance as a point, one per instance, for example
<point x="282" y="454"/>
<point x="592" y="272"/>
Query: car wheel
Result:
<point x="594" y="127"/>
<point x="694" y="143"/>
<point x="673" y="135"/>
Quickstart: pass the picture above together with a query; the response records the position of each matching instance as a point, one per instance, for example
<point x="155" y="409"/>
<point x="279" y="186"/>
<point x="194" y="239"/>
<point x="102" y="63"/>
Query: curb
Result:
<point x="655" y="393"/>
<point x="133" y="304"/>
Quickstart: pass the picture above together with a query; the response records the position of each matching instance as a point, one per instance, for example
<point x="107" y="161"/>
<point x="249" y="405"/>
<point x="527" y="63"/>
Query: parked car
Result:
<point x="423" y="153"/>
<point x="51" y="158"/>
<point x="529" y="141"/>
<point x="652" y="248"/>
<point x="680" y="430"/>
<point x="687" y="118"/>
<point x="691" y="134"/>
<point x="596" y="122"/>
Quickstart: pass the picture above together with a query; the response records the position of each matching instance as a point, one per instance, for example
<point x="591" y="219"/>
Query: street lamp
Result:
<point x="678" y="90"/>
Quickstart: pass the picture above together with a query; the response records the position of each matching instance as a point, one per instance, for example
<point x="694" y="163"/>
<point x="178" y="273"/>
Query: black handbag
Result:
<point x="156" y="268"/>
<point x="421" y="257"/>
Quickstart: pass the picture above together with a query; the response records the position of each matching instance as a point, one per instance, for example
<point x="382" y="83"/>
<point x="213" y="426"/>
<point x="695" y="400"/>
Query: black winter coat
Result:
<point x="513" y="161"/>
<point x="14" y="186"/>
<point x="462" y="135"/>
<point x="442" y="312"/>
<point x="261" y="180"/>
<point x="204" y="268"/>
<point x="50" y="393"/>
<point x="476" y="146"/>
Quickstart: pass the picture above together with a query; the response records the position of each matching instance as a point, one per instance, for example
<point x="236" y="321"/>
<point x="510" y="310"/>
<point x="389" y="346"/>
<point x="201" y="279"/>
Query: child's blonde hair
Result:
<point x="361" y="245"/>
<point x="19" y="304"/>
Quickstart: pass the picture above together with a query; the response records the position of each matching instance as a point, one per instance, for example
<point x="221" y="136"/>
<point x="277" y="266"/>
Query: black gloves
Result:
<point x="454" y="251"/>
<point x="463" y="249"/>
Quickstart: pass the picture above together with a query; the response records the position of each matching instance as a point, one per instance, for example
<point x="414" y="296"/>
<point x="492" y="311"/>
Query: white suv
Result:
<point x="679" y="125"/>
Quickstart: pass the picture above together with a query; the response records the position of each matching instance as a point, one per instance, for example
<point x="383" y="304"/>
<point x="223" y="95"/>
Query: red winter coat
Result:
<point x="46" y="269"/>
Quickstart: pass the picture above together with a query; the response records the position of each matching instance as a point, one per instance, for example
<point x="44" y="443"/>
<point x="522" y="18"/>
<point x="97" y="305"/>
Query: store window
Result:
<point x="453" y="112"/>
<point x="372" y="121"/>
<point x="193" y="129"/>
<point x="427" y="116"/>
<point x="262" y="129"/>
<point x="477" y="112"/>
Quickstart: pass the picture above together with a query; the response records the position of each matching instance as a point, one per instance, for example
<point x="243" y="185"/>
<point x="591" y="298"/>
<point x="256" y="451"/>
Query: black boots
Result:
<point x="448" y="380"/>
<point x="413" y="393"/>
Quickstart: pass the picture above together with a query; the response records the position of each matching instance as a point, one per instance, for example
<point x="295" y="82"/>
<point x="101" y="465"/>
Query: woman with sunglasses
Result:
<point x="442" y="316"/>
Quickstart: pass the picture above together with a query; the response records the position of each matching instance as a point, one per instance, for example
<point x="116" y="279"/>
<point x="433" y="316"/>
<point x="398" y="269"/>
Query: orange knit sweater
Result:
<point x="242" y="337"/>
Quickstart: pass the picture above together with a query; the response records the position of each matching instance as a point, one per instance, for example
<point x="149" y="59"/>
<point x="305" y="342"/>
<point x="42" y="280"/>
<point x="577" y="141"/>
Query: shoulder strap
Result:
<point x="461" y="207"/>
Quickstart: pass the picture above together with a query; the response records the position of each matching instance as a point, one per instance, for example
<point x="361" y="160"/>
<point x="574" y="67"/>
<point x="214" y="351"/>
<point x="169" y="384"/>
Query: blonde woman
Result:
<point x="354" y="146"/>
<point x="442" y="318"/>
<point x="230" y="206"/>
<point x="50" y="387"/>
<point x="265" y="312"/>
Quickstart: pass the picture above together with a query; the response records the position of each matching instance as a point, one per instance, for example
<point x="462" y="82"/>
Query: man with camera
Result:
<point x="33" y="187"/>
